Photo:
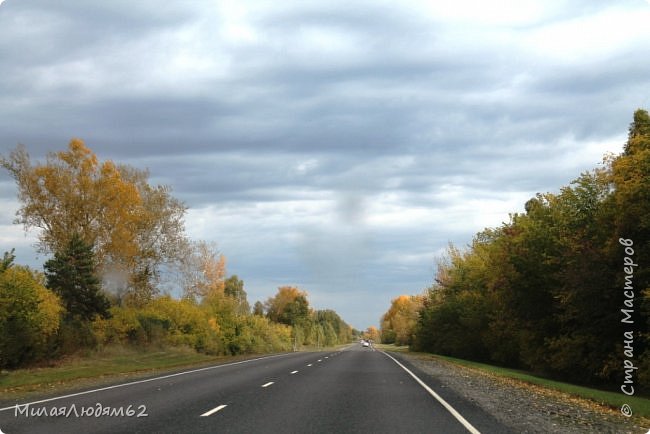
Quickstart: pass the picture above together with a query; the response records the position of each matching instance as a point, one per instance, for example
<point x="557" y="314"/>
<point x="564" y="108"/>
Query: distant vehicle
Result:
<point x="366" y="344"/>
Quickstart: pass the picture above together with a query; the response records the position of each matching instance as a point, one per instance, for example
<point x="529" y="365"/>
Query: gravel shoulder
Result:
<point x="527" y="408"/>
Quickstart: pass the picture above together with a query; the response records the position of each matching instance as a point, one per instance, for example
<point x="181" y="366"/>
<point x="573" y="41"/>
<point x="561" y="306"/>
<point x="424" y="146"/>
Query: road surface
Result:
<point x="355" y="390"/>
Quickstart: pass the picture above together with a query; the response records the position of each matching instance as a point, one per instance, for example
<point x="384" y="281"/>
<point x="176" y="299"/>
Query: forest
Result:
<point x="561" y="290"/>
<point x="113" y="241"/>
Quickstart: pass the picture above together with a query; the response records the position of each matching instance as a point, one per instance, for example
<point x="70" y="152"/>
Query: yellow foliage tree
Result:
<point x="73" y="193"/>
<point x="372" y="334"/>
<point x="398" y="324"/>
<point x="133" y="226"/>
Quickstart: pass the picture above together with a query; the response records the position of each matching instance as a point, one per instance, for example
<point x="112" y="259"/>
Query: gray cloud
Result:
<point x="328" y="144"/>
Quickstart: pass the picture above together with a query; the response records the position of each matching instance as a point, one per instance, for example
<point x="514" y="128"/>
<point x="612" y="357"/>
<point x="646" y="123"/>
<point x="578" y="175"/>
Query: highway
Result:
<point x="355" y="390"/>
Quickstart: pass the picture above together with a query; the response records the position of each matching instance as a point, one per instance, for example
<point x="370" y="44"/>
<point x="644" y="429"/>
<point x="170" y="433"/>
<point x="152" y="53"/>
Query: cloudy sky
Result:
<point x="334" y="145"/>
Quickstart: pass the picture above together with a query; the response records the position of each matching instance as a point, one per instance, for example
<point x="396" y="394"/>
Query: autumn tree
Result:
<point x="288" y="306"/>
<point x="203" y="271"/>
<point x="630" y="178"/>
<point x="159" y="232"/>
<point x="398" y="324"/>
<point x="133" y="227"/>
<point x="372" y="334"/>
<point x="543" y="292"/>
<point x="453" y="316"/>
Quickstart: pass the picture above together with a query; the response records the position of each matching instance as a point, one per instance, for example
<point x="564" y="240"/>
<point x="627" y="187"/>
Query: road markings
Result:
<point x="213" y="411"/>
<point x="444" y="403"/>
<point x="144" y="381"/>
<point x="309" y="364"/>
<point x="320" y="360"/>
<point x="294" y="372"/>
<point x="267" y="384"/>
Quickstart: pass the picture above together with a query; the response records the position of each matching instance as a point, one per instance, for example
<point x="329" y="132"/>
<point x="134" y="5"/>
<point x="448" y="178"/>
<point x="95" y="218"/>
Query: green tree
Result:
<point x="288" y="306"/>
<point x="296" y="312"/>
<point x="71" y="274"/>
<point x="234" y="288"/>
<point x="330" y="321"/>
<point x="258" y="308"/>
<point x="541" y="292"/>
<point x="7" y="260"/>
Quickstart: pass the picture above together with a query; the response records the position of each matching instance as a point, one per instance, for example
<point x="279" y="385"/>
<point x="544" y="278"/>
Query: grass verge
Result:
<point x="640" y="405"/>
<point x="100" y="367"/>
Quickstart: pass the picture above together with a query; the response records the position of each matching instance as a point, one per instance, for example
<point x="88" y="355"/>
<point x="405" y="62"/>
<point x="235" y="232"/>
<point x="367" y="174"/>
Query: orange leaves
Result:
<point x="372" y="334"/>
<point x="398" y="324"/>
<point x="71" y="193"/>
<point x="132" y="225"/>
<point x="78" y="157"/>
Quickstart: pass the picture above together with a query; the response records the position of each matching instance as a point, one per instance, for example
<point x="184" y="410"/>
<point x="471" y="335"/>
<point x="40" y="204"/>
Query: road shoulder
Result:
<point x="522" y="407"/>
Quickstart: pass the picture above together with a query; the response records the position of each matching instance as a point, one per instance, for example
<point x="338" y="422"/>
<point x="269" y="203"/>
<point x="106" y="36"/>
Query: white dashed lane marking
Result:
<point x="213" y="411"/>
<point x="221" y="407"/>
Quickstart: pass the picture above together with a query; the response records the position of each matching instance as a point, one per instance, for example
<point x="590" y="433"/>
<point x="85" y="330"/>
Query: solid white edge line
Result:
<point x="267" y="384"/>
<point x="444" y="403"/>
<point x="142" y="381"/>
<point x="214" y="410"/>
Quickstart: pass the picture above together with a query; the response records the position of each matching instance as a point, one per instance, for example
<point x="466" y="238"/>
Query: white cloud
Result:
<point x="502" y="12"/>
<point x="234" y="23"/>
<point x="585" y="38"/>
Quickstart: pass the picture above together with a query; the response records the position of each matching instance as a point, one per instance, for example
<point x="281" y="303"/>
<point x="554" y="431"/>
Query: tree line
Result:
<point x="113" y="241"/>
<point x="562" y="289"/>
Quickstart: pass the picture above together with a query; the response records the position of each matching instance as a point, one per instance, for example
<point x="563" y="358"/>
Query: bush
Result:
<point x="29" y="317"/>
<point x="168" y="321"/>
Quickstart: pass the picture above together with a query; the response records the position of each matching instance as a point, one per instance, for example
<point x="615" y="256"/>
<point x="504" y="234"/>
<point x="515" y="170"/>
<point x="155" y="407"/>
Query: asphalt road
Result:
<point x="356" y="390"/>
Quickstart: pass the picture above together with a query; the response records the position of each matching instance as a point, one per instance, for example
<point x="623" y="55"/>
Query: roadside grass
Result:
<point x="640" y="405"/>
<point x="315" y="348"/>
<point x="106" y="364"/>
